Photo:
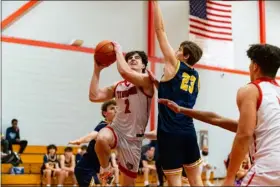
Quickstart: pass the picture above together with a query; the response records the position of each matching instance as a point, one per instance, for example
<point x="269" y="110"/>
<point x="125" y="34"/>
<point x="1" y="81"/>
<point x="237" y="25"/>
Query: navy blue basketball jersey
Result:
<point x="90" y="159"/>
<point x="183" y="89"/>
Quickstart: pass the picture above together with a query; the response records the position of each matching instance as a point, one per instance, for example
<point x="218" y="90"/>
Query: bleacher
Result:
<point x="32" y="161"/>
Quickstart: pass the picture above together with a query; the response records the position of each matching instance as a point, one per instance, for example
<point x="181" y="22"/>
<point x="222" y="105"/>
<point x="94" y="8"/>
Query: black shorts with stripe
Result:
<point x="178" y="149"/>
<point x="86" y="177"/>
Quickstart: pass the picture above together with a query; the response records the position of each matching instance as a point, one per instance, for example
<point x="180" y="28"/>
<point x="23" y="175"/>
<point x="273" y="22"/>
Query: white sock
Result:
<point x="59" y="185"/>
<point x="146" y="183"/>
<point x="48" y="185"/>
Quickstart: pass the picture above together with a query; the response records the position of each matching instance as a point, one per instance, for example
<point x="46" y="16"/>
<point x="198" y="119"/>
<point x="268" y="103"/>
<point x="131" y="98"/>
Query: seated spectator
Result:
<point x="68" y="163"/>
<point x="50" y="167"/>
<point x="4" y="145"/>
<point x="13" y="136"/>
<point x="81" y="152"/>
<point x="140" y="168"/>
<point x="148" y="161"/>
<point x="144" y="149"/>
<point x="115" y="167"/>
<point x="160" y="173"/>
<point x="206" y="167"/>
<point x="244" y="168"/>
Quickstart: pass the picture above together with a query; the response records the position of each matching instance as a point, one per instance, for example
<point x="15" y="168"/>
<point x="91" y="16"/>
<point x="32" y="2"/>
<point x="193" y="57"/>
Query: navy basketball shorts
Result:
<point x="178" y="150"/>
<point x="86" y="177"/>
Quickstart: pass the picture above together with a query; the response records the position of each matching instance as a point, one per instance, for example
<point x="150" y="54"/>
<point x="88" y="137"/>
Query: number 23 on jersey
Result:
<point x="188" y="82"/>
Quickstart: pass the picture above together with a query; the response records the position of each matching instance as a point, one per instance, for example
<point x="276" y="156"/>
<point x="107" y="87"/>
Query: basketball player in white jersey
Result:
<point x="259" y="122"/>
<point x="133" y="97"/>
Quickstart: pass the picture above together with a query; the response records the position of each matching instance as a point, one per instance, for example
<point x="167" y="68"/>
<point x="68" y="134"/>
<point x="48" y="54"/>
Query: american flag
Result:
<point x="211" y="19"/>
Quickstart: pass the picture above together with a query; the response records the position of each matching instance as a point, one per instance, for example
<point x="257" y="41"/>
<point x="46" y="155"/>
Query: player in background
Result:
<point x="133" y="96"/>
<point x="88" y="167"/>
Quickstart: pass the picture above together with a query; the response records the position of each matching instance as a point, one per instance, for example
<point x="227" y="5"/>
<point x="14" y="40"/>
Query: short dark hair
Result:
<point x="193" y="50"/>
<point x="84" y="147"/>
<point x="267" y="57"/>
<point x="68" y="149"/>
<point x="150" y="147"/>
<point x="143" y="56"/>
<point x="14" y="120"/>
<point x="105" y="105"/>
<point x="51" y="146"/>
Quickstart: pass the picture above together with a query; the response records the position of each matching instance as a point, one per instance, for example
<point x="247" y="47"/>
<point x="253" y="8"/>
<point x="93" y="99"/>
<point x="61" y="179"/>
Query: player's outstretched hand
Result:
<point x="172" y="105"/>
<point x="75" y="142"/>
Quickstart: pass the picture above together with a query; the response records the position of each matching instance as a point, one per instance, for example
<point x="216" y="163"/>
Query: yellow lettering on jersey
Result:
<point x="185" y="85"/>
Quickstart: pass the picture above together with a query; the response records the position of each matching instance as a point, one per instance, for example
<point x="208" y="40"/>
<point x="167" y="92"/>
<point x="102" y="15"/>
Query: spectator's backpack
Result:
<point x="13" y="159"/>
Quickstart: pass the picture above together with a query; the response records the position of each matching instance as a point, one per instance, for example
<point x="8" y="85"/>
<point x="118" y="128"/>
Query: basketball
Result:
<point x="104" y="53"/>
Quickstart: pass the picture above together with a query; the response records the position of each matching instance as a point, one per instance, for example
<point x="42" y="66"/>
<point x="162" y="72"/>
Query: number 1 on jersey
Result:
<point x="188" y="82"/>
<point x="127" y="106"/>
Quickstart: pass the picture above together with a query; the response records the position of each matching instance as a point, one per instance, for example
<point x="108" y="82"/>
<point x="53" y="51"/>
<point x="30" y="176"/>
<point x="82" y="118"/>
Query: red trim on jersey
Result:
<point x="115" y="136"/>
<point x="259" y="102"/>
<point x="266" y="79"/>
<point x="148" y="104"/>
<point x="255" y="145"/>
<point x="127" y="172"/>
<point x="250" y="180"/>
<point x="250" y="168"/>
<point x="257" y="82"/>
<point x="126" y="83"/>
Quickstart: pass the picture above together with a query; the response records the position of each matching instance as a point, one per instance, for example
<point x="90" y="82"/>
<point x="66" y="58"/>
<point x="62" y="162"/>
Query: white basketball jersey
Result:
<point x="133" y="110"/>
<point x="265" y="147"/>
